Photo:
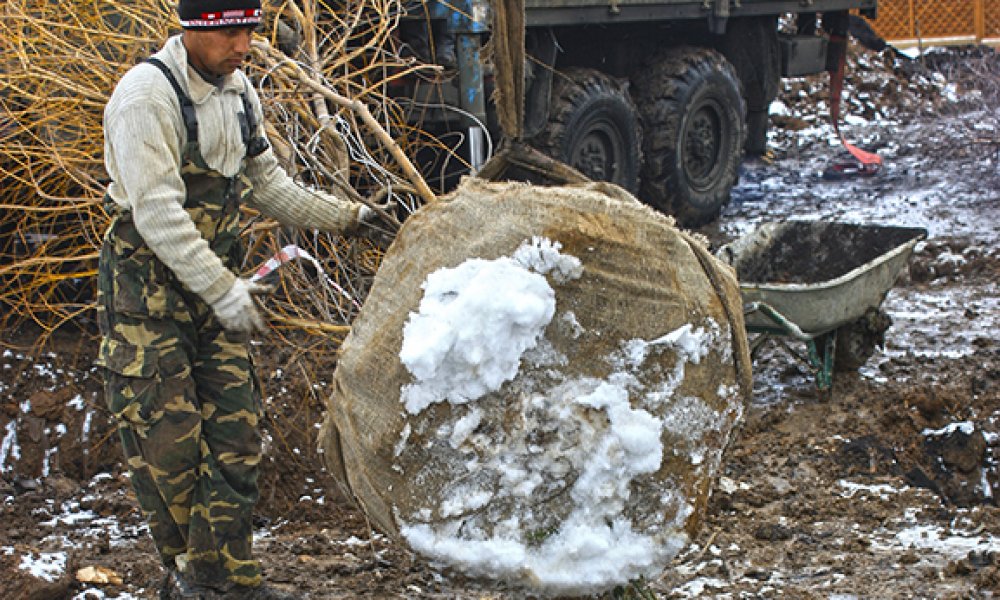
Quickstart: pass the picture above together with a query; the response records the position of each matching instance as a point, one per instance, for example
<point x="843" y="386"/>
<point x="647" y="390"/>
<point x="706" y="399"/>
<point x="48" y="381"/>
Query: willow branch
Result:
<point x="358" y="108"/>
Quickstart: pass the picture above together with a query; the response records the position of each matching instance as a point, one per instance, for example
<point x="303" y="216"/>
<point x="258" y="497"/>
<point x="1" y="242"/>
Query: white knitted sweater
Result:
<point x="144" y="135"/>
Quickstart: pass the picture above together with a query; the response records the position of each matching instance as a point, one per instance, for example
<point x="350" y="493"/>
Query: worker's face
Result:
<point x="218" y="51"/>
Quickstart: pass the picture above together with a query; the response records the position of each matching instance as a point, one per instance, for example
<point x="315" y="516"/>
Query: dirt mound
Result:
<point x="944" y="259"/>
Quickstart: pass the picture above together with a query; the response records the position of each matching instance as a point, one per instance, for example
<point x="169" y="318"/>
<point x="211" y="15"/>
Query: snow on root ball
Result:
<point x="540" y="386"/>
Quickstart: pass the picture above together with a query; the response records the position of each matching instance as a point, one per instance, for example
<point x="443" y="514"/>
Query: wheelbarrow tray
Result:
<point x="818" y="275"/>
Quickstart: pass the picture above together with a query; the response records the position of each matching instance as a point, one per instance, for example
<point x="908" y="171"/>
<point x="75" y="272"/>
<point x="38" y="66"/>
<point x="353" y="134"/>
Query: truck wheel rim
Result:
<point x="702" y="146"/>
<point x="597" y="154"/>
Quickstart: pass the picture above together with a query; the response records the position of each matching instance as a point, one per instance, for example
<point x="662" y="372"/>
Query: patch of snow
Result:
<point x="701" y="587"/>
<point x="928" y="322"/>
<point x="881" y="490"/>
<point x="88" y="525"/>
<point x="952" y="545"/>
<point x="47" y="460"/>
<point x="476" y="322"/>
<point x="9" y="447"/>
<point x="96" y="593"/>
<point x="467" y="500"/>
<point x="464" y="426"/>
<point x="47" y="566"/>
<point x="963" y="426"/>
<point x="404" y="435"/>
<point x="570" y="319"/>
<point x="543" y="256"/>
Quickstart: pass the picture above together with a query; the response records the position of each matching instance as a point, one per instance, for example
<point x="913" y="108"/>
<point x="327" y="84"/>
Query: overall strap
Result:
<point x="255" y="144"/>
<point x="187" y="107"/>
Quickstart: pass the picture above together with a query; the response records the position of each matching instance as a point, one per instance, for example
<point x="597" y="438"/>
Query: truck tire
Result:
<point x="593" y="126"/>
<point x="693" y="124"/>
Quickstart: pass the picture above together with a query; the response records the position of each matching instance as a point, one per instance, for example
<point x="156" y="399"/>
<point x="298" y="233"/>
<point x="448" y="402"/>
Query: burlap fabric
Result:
<point x="642" y="279"/>
<point x="507" y="51"/>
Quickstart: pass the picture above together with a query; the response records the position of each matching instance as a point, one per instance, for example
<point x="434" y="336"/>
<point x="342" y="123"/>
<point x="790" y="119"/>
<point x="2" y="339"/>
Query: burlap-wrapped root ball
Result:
<point x="540" y="386"/>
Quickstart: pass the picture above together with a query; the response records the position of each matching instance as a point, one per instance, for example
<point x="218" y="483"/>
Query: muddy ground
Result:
<point x="884" y="487"/>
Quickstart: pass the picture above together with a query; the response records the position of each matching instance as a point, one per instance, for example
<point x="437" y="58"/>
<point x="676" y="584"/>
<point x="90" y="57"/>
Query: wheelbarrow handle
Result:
<point x="779" y="319"/>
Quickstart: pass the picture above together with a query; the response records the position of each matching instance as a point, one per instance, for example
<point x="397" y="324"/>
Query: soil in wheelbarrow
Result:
<point x="808" y="252"/>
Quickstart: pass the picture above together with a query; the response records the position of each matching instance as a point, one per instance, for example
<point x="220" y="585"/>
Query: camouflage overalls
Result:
<point x="181" y="387"/>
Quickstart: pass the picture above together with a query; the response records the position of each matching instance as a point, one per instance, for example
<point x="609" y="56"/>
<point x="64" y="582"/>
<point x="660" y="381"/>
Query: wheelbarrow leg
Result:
<point x="821" y="358"/>
<point x="757" y="343"/>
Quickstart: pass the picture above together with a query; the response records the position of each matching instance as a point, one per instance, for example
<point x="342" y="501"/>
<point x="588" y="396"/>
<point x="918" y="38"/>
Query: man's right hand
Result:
<point x="236" y="309"/>
<point x="370" y="217"/>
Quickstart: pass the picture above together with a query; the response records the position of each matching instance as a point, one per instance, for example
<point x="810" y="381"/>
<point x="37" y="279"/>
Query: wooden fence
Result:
<point x="912" y="22"/>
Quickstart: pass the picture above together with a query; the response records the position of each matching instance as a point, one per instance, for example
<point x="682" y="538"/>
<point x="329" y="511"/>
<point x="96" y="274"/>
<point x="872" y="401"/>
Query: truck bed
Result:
<point x="575" y="12"/>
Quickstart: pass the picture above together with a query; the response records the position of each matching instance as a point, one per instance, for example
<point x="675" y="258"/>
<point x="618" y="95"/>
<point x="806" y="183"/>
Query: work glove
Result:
<point x="378" y="228"/>
<point x="366" y="215"/>
<point x="378" y="214"/>
<point x="379" y="225"/>
<point x="236" y="309"/>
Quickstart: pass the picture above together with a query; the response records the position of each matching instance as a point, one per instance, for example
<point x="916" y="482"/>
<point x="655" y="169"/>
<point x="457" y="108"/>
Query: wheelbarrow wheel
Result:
<point x="857" y="341"/>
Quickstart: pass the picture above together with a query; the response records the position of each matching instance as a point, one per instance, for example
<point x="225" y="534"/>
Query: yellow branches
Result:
<point x="325" y="97"/>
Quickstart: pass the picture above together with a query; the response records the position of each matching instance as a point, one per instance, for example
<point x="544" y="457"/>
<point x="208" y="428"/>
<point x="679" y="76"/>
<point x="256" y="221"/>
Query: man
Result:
<point x="184" y="148"/>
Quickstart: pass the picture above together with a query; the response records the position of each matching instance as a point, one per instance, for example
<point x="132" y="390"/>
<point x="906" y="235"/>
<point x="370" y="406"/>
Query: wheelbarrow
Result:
<point x="820" y="283"/>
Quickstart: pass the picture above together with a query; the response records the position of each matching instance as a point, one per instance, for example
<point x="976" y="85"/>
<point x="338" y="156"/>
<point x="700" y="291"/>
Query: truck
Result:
<point x="662" y="97"/>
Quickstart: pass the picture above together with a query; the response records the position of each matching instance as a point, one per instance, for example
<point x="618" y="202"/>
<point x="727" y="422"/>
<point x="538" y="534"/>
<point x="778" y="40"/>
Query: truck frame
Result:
<point x="661" y="97"/>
